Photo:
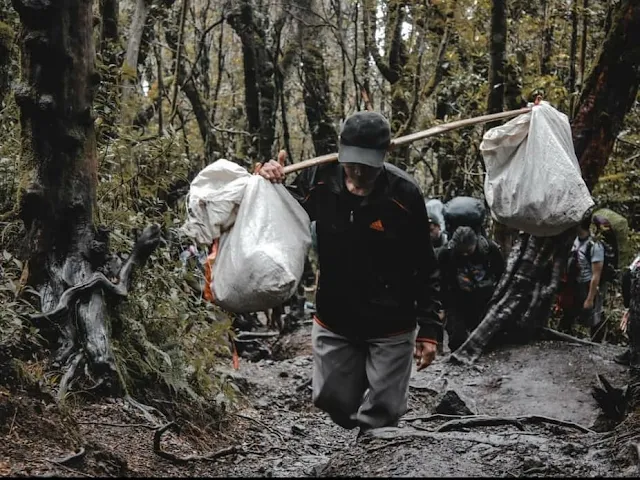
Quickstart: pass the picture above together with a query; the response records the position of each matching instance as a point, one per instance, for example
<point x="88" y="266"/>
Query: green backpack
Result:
<point x="612" y="230"/>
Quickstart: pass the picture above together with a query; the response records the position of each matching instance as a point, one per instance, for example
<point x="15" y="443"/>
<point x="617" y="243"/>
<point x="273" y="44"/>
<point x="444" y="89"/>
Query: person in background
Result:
<point x="438" y="237"/>
<point x="470" y="267"/>
<point x="584" y="268"/>
<point x="378" y="293"/>
<point x="437" y="228"/>
<point x="631" y="319"/>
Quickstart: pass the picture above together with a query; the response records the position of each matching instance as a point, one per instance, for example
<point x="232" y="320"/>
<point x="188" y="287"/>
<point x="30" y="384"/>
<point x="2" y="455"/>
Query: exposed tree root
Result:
<point x="73" y="457"/>
<point x="80" y="317"/>
<point x="479" y="421"/>
<point x="482" y="420"/>
<point x="556" y="335"/>
<point x="146" y="411"/>
<point x="157" y="449"/>
<point x="147" y="242"/>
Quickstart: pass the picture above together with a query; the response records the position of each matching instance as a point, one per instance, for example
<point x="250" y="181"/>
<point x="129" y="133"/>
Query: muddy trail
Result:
<point x="520" y="411"/>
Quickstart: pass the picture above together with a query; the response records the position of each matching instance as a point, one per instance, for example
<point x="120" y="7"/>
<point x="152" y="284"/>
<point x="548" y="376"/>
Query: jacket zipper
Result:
<point x="351" y="217"/>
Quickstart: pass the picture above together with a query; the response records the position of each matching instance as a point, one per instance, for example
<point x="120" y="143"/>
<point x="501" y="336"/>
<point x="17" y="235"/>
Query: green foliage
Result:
<point x="165" y="333"/>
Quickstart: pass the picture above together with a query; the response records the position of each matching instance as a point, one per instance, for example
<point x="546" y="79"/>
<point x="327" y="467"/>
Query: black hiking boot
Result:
<point x="624" y="358"/>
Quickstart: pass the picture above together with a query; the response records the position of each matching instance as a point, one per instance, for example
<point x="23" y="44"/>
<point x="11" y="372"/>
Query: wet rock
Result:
<point x="298" y="429"/>
<point x="237" y="379"/>
<point x="432" y="387"/>
<point x="454" y="403"/>
<point x="262" y="403"/>
<point x="532" y="462"/>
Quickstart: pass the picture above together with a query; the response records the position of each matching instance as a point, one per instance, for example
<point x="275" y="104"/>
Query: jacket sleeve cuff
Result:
<point x="429" y="333"/>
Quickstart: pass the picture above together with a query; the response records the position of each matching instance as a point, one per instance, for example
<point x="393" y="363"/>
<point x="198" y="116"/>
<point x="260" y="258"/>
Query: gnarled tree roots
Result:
<point x="79" y="323"/>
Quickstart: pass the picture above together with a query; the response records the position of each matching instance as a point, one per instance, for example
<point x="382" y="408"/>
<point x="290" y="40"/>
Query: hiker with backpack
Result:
<point x="584" y="272"/>
<point x="437" y="228"/>
<point x="631" y="320"/>
<point x="470" y="267"/>
<point x="378" y="293"/>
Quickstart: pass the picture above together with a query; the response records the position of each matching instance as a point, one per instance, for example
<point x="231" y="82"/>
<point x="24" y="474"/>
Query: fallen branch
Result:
<point x="484" y="421"/>
<point x="543" y="469"/>
<point x="252" y="335"/>
<point x="479" y="421"/>
<point x="120" y="425"/>
<point x="70" y="470"/>
<point x="262" y="424"/>
<point x="556" y="335"/>
<point x="79" y="455"/>
<point x="436" y="416"/>
<point x="157" y="449"/>
<point x="306" y="384"/>
<point x="389" y="444"/>
<point x="554" y="421"/>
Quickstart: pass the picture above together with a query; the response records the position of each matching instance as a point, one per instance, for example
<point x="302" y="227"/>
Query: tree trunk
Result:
<point x="59" y="178"/>
<point x="525" y="293"/>
<point x="497" y="67"/>
<point x="547" y="37"/>
<point x="583" y="41"/>
<point x="109" y="10"/>
<point x="186" y="82"/>
<point x="259" y="87"/>
<point x="571" y="81"/>
<point x="6" y="40"/>
<point x="315" y="87"/>
<point x="130" y="64"/>
<point x="498" y="56"/>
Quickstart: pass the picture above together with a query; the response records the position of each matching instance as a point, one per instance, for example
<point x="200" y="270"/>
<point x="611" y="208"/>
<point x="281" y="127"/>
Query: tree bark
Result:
<point x="524" y="296"/>
<point x="130" y="64"/>
<point x="547" y="37"/>
<point x="187" y="83"/>
<point x="495" y="103"/>
<point x="59" y="178"/>
<point x="109" y="10"/>
<point x="498" y="57"/>
<point x="259" y="87"/>
<point x="571" y="81"/>
<point x="6" y="40"/>
<point x="584" y="40"/>
<point x="315" y="88"/>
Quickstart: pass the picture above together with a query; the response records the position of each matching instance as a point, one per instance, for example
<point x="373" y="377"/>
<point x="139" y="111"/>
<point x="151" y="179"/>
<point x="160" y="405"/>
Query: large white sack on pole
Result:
<point x="533" y="181"/>
<point x="264" y="236"/>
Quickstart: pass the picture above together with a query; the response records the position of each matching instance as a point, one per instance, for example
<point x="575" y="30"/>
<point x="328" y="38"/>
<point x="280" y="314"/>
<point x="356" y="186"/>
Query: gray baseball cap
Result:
<point x="364" y="138"/>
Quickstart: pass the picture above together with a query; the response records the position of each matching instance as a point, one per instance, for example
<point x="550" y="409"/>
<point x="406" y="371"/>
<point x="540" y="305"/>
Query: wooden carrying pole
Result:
<point x="445" y="127"/>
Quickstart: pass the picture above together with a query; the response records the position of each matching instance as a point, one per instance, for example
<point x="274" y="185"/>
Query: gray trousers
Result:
<point x="361" y="383"/>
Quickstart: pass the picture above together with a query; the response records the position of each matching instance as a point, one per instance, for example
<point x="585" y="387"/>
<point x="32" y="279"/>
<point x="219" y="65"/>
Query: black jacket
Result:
<point x="378" y="271"/>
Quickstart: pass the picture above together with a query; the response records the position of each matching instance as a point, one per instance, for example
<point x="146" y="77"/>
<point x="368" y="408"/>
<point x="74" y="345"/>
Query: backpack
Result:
<point x="464" y="211"/>
<point x="612" y="231"/>
<point x="609" y="270"/>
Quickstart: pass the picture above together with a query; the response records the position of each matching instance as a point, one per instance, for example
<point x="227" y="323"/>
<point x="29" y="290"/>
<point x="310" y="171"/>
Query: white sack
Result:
<point x="435" y="211"/>
<point x="533" y="181"/>
<point x="213" y="199"/>
<point x="261" y="258"/>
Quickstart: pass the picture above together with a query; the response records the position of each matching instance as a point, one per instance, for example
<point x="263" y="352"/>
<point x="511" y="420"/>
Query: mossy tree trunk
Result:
<point x="58" y="186"/>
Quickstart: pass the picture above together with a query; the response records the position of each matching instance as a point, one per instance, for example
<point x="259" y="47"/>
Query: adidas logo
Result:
<point x="377" y="225"/>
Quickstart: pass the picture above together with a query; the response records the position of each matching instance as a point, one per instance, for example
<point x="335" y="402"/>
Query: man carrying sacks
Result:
<point x="378" y="277"/>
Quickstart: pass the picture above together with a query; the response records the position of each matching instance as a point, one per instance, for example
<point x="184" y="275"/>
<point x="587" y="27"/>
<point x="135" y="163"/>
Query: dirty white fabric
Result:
<point x="533" y="181"/>
<point x="264" y="236"/>
<point x="435" y="210"/>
